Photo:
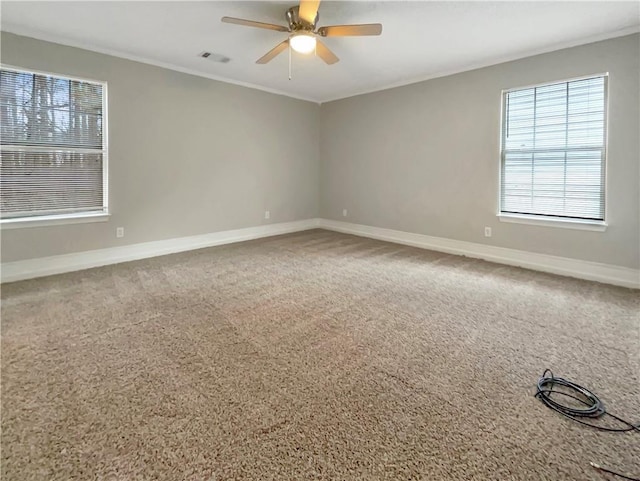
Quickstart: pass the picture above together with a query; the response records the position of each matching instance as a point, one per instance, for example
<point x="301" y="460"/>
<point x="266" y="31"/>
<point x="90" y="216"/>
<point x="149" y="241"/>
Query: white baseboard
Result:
<point x="45" y="266"/>
<point x="592" y="271"/>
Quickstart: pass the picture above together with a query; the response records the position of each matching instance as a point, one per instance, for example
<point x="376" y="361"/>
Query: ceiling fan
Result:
<point x="303" y="36"/>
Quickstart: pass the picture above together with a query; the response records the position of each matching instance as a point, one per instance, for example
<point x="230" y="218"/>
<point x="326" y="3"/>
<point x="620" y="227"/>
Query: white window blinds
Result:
<point x="553" y="150"/>
<point x="52" y="145"/>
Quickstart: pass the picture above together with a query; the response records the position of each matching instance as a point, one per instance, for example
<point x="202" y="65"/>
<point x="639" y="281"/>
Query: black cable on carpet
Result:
<point x="588" y="406"/>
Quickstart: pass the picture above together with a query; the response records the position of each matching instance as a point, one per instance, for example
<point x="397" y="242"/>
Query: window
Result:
<point x="553" y="151"/>
<point x="52" y="147"/>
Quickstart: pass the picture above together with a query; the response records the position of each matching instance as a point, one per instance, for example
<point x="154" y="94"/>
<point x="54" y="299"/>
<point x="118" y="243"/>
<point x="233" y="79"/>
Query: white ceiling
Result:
<point x="420" y="40"/>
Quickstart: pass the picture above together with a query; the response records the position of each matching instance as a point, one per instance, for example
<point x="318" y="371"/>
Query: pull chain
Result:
<point x="289" y="62"/>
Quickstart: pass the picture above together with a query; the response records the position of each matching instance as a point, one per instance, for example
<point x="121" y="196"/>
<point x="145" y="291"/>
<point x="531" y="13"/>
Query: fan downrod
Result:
<point x="296" y="23"/>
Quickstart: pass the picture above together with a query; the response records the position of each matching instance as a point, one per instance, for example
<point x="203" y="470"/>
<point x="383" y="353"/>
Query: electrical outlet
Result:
<point x="267" y="214"/>
<point x="487" y="231"/>
<point x="120" y="232"/>
<point x="344" y="212"/>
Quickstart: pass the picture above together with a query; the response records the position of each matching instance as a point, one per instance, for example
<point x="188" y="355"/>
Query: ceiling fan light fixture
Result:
<point x="302" y="34"/>
<point x="303" y="42"/>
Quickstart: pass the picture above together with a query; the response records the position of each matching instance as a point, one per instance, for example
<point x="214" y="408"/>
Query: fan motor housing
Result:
<point x="296" y="23"/>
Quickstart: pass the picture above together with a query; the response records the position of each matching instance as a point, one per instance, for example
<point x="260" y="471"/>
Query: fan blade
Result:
<point x="350" y="30"/>
<point x="325" y="54"/>
<point x="274" y="52"/>
<point x="308" y="10"/>
<point x="251" y="23"/>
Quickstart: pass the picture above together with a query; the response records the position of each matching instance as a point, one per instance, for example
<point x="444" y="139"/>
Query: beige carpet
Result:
<point x="314" y="355"/>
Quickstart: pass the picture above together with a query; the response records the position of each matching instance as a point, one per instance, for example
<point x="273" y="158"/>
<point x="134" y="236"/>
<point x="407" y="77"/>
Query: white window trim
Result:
<point x="49" y="220"/>
<point x="551" y="221"/>
<point x="80" y="217"/>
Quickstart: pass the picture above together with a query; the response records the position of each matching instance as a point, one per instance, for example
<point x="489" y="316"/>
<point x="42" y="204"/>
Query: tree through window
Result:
<point x="52" y="145"/>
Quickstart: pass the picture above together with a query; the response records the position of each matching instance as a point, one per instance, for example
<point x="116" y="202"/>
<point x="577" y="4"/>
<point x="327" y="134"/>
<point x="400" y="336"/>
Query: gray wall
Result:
<point x="190" y="155"/>
<point x="187" y="155"/>
<point x="425" y="158"/>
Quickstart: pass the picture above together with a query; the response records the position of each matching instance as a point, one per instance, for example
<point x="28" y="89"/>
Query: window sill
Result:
<point x="597" y="226"/>
<point x="49" y="220"/>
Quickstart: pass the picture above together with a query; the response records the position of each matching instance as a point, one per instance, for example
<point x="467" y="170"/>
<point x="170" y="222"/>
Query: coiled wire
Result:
<point x="550" y="385"/>
<point x="594" y="408"/>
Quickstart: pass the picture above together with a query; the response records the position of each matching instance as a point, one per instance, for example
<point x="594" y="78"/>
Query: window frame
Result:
<point x="549" y="220"/>
<point x="74" y="217"/>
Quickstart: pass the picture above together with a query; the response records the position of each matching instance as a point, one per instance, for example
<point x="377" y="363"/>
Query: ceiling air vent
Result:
<point x="215" y="57"/>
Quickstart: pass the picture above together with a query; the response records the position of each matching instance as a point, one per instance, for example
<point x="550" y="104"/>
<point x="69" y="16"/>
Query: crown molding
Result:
<point x="504" y="59"/>
<point x="39" y="35"/>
